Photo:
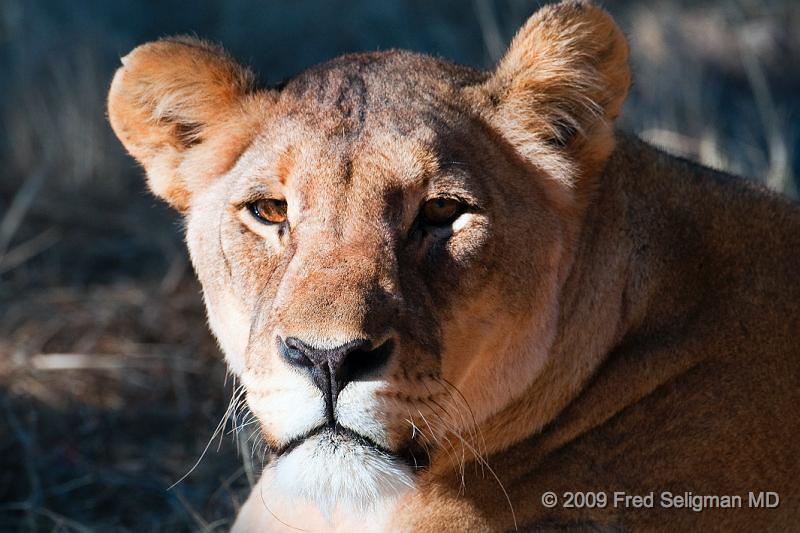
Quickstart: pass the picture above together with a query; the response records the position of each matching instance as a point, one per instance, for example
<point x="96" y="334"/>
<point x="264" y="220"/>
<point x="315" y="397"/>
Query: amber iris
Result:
<point x="269" y="211"/>
<point x="441" y="211"/>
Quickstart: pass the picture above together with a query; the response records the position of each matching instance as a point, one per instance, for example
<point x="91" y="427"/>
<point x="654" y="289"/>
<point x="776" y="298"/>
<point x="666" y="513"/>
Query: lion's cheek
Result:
<point x="230" y="326"/>
<point x="228" y="319"/>
<point x="493" y="351"/>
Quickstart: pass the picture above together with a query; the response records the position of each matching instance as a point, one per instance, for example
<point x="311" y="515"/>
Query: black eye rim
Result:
<point x="252" y="207"/>
<point x="461" y="208"/>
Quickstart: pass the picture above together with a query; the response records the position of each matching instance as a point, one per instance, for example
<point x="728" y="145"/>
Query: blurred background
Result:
<point x="110" y="385"/>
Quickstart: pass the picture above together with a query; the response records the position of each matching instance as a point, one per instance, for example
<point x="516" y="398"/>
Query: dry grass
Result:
<point x="110" y="385"/>
<point x="110" y="395"/>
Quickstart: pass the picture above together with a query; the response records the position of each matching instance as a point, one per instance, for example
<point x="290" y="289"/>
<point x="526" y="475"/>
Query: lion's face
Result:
<point x="380" y="256"/>
<point x="388" y="282"/>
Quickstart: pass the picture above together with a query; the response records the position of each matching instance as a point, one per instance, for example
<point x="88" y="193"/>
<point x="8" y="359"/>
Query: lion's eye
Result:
<point x="269" y="211"/>
<point x="441" y="211"/>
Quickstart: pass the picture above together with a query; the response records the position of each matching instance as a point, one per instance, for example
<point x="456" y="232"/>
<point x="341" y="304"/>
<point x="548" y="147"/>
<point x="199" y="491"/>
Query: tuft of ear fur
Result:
<point x="555" y="94"/>
<point x="184" y="109"/>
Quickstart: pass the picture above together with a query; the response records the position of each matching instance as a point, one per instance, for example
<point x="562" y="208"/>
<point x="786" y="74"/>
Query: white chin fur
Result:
<point x="335" y="473"/>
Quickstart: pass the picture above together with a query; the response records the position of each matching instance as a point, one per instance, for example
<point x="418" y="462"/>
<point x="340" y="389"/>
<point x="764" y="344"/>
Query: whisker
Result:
<point x="452" y="451"/>
<point x="231" y="414"/>
<point x="248" y="419"/>
<point x="447" y="411"/>
<point x="236" y="429"/>
<point x="479" y="457"/>
<point x="264" y="502"/>
<point x="469" y="408"/>
<point x="426" y="443"/>
<point x="496" y="478"/>
<point x="220" y="427"/>
<point x="461" y="464"/>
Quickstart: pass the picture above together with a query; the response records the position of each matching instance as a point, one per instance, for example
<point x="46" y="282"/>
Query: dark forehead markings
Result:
<point x="352" y="103"/>
<point x="350" y="95"/>
<point x="340" y="87"/>
<point x="357" y="83"/>
<point x="347" y="169"/>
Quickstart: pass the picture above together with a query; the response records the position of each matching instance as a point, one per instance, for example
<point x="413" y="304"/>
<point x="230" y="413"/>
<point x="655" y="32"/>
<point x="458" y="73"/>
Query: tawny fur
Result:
<point x="606" y="317"/>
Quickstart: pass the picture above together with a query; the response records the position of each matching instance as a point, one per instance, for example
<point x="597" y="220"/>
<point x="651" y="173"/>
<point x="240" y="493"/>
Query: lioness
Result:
<point x="460" y="300"/>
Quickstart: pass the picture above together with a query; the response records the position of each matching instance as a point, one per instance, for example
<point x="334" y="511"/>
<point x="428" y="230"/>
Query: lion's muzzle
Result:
<point x="331" y="369"/>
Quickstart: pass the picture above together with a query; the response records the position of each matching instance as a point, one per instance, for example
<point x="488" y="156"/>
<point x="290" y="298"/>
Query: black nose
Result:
<point x="331" y="369"/>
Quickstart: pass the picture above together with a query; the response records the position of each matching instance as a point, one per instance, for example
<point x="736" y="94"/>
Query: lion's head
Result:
<point x="381" y="239"/>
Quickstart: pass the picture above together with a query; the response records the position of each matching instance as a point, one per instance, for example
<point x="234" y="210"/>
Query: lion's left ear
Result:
<point x="185" y="110"/>
<point x="555" y="94"/>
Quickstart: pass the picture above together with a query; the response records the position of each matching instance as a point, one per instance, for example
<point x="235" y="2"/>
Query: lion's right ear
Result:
<point x="557" y="91"/>
<point x="185" y="111"/>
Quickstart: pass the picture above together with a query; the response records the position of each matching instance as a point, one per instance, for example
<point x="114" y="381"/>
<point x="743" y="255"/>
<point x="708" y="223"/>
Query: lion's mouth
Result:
<point x="412" y="455"/>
